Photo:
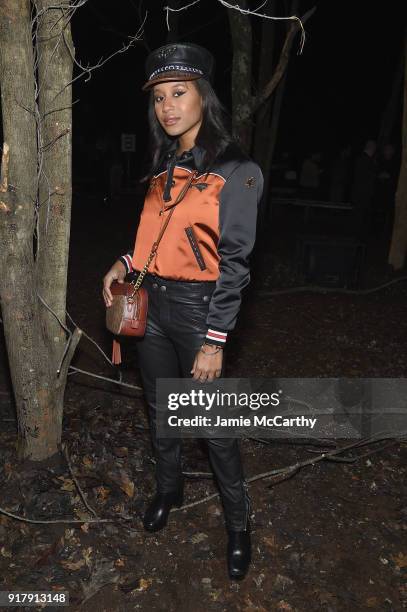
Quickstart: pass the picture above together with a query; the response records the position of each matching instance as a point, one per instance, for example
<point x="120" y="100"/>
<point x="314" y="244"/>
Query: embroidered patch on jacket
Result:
<point x="200" y="186"/>
<point x="250" y="181"/>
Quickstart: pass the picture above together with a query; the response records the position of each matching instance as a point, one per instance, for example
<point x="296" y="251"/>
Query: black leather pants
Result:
<point x="175" y="331"/>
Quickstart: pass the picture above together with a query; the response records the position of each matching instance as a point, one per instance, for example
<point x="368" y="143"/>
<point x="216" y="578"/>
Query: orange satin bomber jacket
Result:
<point x="211" y="232"/>
<point x="182" y="255"/>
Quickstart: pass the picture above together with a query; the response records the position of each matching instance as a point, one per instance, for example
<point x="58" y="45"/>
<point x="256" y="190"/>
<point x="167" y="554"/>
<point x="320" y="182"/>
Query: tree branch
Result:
<point x="282" y="63"/>
<point x="81" y="493"/>
<point x="64" y="521"/>
<point x="112" y="380"/>
<point x="70" y="349"/>
<point x="47" y="146"/>
<point x="68" y="331"/>
<point x="109" y="361"/>
<point x="89" y="69"/>
<point x="289" y="471"/>
<point x="317" y="289"/>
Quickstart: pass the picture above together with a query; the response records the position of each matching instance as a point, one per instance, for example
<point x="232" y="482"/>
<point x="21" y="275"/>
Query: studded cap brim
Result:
<point x="171" y="75"/>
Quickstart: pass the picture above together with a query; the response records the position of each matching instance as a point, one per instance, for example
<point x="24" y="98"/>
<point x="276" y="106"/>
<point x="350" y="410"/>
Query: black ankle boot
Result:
<point x="156" y="515"/>
<point x="238" y="553"/>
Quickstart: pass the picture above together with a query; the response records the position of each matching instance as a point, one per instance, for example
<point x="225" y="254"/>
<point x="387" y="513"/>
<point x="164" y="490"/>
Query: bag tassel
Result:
<point x="116" y="353"/>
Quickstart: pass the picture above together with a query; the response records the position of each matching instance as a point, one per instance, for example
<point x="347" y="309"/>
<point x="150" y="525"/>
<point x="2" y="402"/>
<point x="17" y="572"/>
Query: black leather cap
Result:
<point x="178" y="62"/>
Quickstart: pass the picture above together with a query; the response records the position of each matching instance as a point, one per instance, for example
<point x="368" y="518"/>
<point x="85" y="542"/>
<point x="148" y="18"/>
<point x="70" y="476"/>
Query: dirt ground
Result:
<point x="330" y="538"/>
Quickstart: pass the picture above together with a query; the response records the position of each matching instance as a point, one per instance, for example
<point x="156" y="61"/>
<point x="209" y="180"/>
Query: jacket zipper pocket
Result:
<point x="195" y="247"/>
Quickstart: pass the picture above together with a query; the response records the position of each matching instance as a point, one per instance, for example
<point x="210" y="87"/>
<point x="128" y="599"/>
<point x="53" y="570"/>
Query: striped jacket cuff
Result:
<point x="126" y="261"/>
<point x="214" y="336"/>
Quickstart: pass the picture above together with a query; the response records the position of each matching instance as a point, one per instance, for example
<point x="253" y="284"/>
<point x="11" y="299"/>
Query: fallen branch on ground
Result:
<point x="81" y="493"/>
<point x="318" y="289"/>
<point x="285" y="472"/>
<point x="64" y="521"/>
<point x="289" y="471"/>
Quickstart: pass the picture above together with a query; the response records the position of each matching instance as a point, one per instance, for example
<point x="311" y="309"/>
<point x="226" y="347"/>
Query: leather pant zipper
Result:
<point x="248" y="503"/>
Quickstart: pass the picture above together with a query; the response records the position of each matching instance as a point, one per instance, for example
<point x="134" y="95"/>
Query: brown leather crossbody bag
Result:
<point x="127" y="316"/>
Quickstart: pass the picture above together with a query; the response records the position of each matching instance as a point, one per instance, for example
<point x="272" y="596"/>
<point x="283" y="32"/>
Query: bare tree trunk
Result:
<point x="275" y="121"/>
<point x="392" y="108"/>
<point x="54" y="51"/>
<point x="19" y="168"/>
<point x="34" y="344"/>
<point x="398" y="247"/>
<point x="241" y="34"/>
<point x="278" y="73"/>
<point x="263" y="115"/>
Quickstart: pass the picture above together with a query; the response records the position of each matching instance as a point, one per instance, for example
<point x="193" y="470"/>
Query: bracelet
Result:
<point x="218" y="348"/>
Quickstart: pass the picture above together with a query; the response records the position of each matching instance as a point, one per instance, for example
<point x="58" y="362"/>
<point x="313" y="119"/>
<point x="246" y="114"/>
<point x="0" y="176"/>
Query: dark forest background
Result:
<point x="336" y="92"/>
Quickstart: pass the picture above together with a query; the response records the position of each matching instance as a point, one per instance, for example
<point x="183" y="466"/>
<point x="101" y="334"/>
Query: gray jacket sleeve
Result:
<point x="238" y="206"/>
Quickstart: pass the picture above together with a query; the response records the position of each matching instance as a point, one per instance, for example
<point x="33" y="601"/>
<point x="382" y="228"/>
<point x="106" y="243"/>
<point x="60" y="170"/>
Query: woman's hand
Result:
<point x="117" y="272"/>
<point x="208" y="363"/>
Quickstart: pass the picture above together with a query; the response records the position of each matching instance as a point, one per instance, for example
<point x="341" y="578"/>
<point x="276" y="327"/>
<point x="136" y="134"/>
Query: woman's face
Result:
<point x="178" y="106"/>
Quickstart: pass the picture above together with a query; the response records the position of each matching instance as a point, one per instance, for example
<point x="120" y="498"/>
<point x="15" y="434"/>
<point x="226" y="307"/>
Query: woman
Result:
<point x="196" y="278"/>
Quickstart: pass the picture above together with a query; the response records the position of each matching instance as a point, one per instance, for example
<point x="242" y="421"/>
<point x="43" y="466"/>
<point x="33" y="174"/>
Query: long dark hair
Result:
<point x="214" y="135"/>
